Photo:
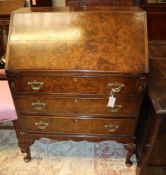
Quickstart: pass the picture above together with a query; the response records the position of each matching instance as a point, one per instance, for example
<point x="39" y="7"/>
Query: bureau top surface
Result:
<point x="95" y="39"/>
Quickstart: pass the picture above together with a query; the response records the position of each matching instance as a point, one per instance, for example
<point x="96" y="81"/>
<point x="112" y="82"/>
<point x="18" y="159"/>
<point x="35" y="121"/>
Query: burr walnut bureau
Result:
<point x="77" y="74"/>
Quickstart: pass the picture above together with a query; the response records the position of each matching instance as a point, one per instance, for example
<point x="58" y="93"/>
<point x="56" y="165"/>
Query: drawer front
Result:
<point x="69" y="125"/>
<point x="79" y="106"/>
<point x="77" y="85"/>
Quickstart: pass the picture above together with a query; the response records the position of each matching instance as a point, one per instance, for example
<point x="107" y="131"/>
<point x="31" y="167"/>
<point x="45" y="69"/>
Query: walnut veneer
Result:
<point x="64" y="63"/>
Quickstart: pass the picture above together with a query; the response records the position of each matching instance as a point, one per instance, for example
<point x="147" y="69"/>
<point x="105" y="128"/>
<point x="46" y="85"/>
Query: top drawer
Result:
<point x="77" y="85"/>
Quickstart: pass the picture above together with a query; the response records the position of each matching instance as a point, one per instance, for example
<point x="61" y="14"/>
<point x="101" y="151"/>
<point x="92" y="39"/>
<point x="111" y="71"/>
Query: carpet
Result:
<point x="63" y="157"/>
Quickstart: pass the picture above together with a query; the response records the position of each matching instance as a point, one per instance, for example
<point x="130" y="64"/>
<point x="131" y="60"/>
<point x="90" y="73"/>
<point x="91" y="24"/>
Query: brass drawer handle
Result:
<point x="116" y="87"/>
<point x="112" y="127"/>
<point x="116" y="108"/>
<point x="35" y="85"/>
<point x="41" y="125"/>
<point x="38" y="105"/>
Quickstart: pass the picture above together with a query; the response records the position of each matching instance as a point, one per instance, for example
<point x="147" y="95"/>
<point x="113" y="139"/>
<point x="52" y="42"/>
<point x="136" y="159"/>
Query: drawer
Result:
<point x="79" y="106"/>
<point x="68" y="125"/>
<point x="77" y="85"/>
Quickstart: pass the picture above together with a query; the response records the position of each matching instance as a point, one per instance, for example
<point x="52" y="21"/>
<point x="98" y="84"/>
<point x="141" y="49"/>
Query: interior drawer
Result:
<point x="77" y="85"/>
<point x="66" y="125"/>
<point x="129" y="106"/>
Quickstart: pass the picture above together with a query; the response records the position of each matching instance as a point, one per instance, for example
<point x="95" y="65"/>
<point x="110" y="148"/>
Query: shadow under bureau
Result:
<point x="77" y="74"/>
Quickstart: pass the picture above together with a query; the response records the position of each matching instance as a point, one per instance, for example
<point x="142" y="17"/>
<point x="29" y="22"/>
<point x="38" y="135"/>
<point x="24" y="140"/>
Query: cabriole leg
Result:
<point x="25" y="148"/>
<point x="131" y="148"/>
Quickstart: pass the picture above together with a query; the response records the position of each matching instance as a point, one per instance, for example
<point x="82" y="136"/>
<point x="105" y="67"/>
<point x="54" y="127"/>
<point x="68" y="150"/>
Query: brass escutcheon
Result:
<point x="116" y="87"/>
<point x="112" y="127"/>
<point x="41" y="125"/>
<point x="35" y="85"/>
<point x="115" y="108"/>
<point x="38" y="105"/>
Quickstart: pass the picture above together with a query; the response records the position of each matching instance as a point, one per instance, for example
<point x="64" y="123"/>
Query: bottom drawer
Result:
<point x="64" y="125"/>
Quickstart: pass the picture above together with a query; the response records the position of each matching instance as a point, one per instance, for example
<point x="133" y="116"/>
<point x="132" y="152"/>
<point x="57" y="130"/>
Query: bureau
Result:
<point x="77" y="74"/>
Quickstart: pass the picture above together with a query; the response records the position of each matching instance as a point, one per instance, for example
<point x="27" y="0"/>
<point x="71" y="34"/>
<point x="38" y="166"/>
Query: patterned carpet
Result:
<point x="63" y="158"/>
